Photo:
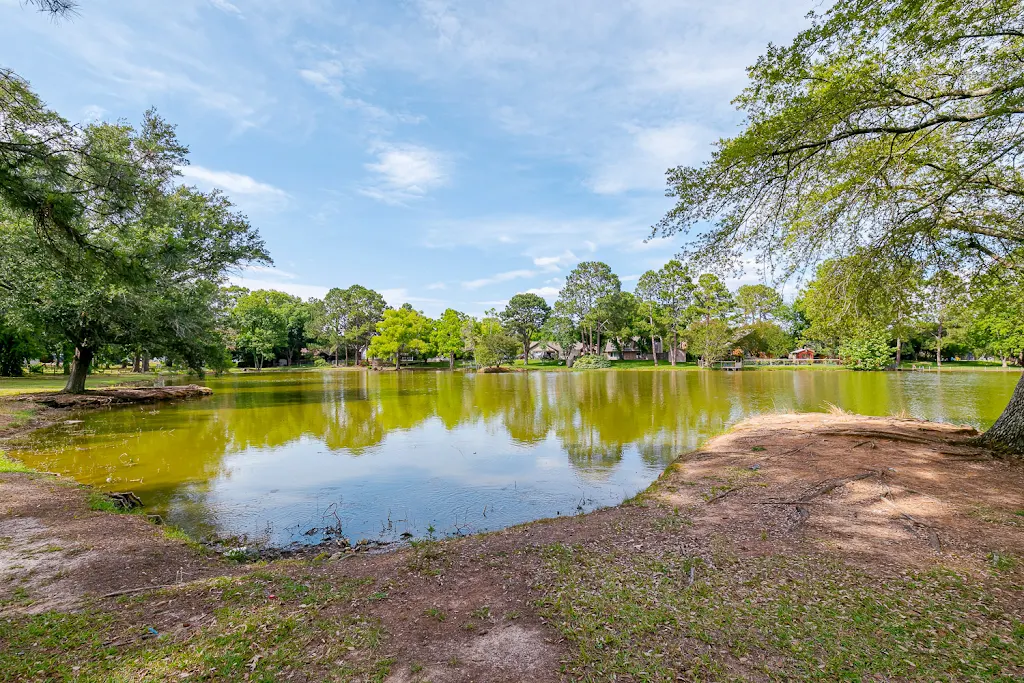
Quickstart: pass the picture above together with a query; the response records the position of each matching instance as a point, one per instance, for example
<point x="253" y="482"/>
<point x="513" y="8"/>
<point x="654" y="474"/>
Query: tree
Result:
<point x="856" y="291"/>
<point x="366" y="309"/>
<point x="523" y="316"/>
<point x="447" y="337"/>
<point x="943" y="300"/>
<point x="260" y="325"/>
<point x="493" y="345"/>
<point x="997" y="316"/>
<point x="676" y="293"/>
<point x="893" y="126"/>
<point x="712" y="300"/>
<point x="867" y="348"/>
<point x="152" y="274"/>
<point x="616" y="317"/>
<point x="648" y="294"/>
<point x="588" y="282"/>
<point x="764" y="337"/>
<point x="330" y="321"/>
<point x="757" y="302"/>
<point x="401" y="330"/>
<point x="18" y="344"/>
<point x="710" y="339"/>
<point x="561" y="329"/>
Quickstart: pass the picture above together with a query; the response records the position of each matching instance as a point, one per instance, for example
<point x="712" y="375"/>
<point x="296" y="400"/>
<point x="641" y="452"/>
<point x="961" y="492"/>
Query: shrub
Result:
<point x="591" y="362"/>
<point x="868" y="350"/>
<point x="319" y="362"/>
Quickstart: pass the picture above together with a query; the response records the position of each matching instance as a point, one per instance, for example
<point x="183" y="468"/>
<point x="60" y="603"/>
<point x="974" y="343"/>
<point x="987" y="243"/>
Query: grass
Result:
<point x="99" y="502"/>
<point x="249" y="636"/>
<point x="638" y="617"/>
<point x="175" y="534"/>
<point x="955" y="364"/>
<point x="33" y="383"/>
<point x="9" y="465"/>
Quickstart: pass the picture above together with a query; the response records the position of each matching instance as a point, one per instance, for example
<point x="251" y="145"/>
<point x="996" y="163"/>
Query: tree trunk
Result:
<point x="675" y="345"/>
<point x="899" y="352"/>
<point x="398" y="361"/>
<point x="597" y="349"/>
<point x="346" y="355"/>
<point x="145" y="361"/>
<point x="451" y="361"/>
<point x="654" y="350"/>
<point x="938" y="347"/>
<point x="136" y="363"/>
<point x="1004" y="361"/>
<point x="1007" y="434"/>
<point x="336" y="355"/>
<point x="526" y="352"/>
<point x="79" y="371"/>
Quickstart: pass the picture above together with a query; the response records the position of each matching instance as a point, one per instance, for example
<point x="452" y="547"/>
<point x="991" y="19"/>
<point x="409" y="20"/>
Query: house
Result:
<point x="802" y="354"/>
<point x="631" y="351"/>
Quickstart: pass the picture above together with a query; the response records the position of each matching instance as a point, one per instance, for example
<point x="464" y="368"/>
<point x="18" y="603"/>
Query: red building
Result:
<point x="802" y="354"/>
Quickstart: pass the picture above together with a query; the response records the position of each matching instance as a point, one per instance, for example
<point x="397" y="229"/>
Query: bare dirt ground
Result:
<point x="718" y="572"/>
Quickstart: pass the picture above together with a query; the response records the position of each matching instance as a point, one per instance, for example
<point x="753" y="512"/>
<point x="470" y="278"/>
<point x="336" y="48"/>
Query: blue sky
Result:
<point x="443" y="153"/>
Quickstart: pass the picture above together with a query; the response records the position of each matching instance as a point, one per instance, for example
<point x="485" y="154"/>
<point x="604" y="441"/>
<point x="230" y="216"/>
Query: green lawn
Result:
<point x="616" y="364"/>
<point x="955" y="364"/>
<point x="32" y="383"/>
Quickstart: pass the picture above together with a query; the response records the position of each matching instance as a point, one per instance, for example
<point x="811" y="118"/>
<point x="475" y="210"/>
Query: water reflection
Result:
<point x="271" y="453"/>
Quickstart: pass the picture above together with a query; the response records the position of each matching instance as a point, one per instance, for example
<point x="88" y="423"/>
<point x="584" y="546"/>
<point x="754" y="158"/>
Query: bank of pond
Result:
<point x="279" y="457"/>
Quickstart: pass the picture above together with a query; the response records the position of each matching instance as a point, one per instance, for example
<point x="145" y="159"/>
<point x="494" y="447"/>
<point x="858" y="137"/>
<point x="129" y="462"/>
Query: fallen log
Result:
<point x="120" y="396"/>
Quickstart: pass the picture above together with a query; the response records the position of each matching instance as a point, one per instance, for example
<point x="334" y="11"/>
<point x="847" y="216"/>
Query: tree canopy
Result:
<point x="523" y="316"/>
<point x="891" y="128"/>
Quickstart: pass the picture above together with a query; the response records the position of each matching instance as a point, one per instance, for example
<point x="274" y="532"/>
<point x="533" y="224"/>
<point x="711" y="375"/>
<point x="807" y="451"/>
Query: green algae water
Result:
<point x="280" y="456"/>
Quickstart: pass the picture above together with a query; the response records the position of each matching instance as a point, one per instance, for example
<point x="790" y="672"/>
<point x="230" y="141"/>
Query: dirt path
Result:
<point x="809" y="547"/>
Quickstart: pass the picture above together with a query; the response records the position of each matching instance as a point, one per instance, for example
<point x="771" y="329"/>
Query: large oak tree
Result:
<point x="895" y="127"/>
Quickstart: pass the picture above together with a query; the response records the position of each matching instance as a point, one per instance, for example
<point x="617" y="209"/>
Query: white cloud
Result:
<point x="330" y="75"/>
<point x="499" y="277"/>
<point x="244" y="190"/>
<point x="555" y="262"/>
<point x="225" y="6"/>
<point x="649" y="153"/>
<point x="294" y="288"/>
<point x="437" y="285"/>
<point x="268" y="271"/>
<point x="546" y="292"/>
<point x="405" y="172"/>
<point x="93" y="113"/>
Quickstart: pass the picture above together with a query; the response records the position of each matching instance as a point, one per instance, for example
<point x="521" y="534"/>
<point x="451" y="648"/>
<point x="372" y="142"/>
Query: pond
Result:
<point x="284" y="456"/>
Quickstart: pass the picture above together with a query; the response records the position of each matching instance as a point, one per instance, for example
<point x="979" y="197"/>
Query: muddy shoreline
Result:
<point x="820" y="531"/>
<point x="22" y="414"/>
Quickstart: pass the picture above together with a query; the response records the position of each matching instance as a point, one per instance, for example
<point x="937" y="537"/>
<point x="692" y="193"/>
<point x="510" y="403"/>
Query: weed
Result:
<point x="482" y="613"/>
<point x="9" y="465"/>
<point x="758" y="449"/>
<point x="1002" y="561"/>
<point x="246" y="638"/>
<point x="102" y="503"/>
<point x="435" y="613"/>
<point x="176" y="534"/>
<point x="808" y="618"/>
<point x="469" y="626"/>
